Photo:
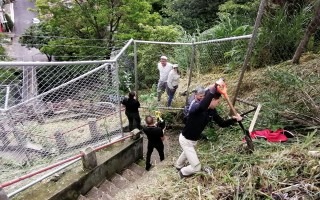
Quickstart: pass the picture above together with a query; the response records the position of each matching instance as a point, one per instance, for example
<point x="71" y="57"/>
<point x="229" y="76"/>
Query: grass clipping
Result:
<point x="272" y="171"/>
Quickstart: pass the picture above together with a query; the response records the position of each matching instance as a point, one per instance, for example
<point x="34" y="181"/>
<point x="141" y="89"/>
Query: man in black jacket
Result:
<point x="198" y="117"/>
<point x="155" y="140"/>
<point x="132" y="111"/>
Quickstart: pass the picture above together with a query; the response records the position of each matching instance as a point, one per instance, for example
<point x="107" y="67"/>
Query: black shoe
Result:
<point x="148" y="167"/>
<point x="181" y="175"/>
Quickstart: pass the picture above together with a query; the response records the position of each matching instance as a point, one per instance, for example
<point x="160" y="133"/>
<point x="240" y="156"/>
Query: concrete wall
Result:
<point x="69" y="184"/>
<point x="115" y="164"/>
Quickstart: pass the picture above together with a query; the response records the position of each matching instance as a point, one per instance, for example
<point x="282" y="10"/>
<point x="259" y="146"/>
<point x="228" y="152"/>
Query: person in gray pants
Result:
<point x="164" y="68"/>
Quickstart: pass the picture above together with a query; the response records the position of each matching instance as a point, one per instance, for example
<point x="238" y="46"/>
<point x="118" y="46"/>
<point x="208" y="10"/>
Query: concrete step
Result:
<point x="96" y="194"/>
<point x="137" y="169"/>
<point x="120" y="181"/>
<point x="130" y="175"/>
<point x="109" y="188"/>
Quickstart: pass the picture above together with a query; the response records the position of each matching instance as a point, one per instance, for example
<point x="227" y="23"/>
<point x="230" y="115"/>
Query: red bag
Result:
<point x="279" y="135"/>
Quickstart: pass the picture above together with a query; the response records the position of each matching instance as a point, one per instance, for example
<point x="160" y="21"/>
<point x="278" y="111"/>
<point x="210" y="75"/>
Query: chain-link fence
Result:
<point x="194" y="58"/>
<point x="52" y="110"/>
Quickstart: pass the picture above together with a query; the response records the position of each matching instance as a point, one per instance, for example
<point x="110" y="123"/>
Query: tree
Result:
<point x="91" y="28"/>
<point x="311" y="29"/>
<point x="38" y="36"/>
<point x="192" y="15"/>
<point x="243" y="11"/>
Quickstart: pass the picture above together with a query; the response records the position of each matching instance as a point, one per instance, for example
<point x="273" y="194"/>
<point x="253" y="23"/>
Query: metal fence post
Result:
<point x="262" y="6"/>
<point x="135" y="69"/>
<point x="192" y="63"/>
<point x="118" y="95"/>
<point x="6" y="103"/>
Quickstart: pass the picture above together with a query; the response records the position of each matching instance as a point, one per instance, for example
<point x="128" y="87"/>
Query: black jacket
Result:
<point x="132" y="105"/>
<point x="198" y="117"/>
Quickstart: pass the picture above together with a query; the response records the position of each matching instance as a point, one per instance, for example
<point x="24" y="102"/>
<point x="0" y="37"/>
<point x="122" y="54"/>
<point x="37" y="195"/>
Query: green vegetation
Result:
<point x="92" y="30"/>
<point x="289" y="97"/>
<point x="289" y="94"/>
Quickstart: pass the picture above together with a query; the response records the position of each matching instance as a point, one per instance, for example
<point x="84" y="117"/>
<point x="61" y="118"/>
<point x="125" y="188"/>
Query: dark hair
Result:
<point x="149" y="120"/>
<point x="132" y="94"/>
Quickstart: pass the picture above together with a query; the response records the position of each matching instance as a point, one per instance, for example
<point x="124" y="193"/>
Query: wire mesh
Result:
<point x="197" y="57"/>
<point x="227" y="53"/>
<point x="52" y="111"/>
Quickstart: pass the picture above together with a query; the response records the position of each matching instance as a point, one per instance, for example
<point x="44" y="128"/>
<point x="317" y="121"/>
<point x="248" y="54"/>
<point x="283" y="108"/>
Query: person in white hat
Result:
<point x="164" y="68"/>
<point x="172" y="83"/>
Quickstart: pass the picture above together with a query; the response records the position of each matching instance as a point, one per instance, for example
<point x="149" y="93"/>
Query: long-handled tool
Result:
<point x="222" y="89"/>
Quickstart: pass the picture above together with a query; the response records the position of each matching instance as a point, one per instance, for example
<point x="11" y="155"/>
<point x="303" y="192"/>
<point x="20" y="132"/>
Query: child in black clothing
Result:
<point x="155" y="140"/>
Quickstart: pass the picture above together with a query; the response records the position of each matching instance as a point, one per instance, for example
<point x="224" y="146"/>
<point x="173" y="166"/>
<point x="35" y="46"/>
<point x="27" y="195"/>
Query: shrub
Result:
<point x="279" y="36"/>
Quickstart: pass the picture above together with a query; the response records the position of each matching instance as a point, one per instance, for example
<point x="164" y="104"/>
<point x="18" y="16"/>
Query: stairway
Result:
<point x="109" y="188"/>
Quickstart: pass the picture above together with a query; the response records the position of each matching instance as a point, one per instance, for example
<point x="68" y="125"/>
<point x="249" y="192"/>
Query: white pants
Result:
<point x="190" y="154"/>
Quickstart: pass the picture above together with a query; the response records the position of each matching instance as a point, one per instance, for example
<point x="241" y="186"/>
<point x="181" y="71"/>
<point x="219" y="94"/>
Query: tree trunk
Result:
<point x="311" y="29"/>
<point x="262" y="6"/>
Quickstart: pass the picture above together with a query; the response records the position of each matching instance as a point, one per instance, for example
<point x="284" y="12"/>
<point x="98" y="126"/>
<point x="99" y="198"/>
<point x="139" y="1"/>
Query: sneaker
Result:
<point x="181" y="175"/>
<point x="177" y="168"/>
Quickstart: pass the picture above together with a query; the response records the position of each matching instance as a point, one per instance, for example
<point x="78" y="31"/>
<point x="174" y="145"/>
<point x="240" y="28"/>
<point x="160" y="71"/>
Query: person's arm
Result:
<point x="221" y="122"/>
<point x="138" y="104"/>
<point x="161" y="134"/>
<point x="169" y="81"/>
<point x="124" y="101"/>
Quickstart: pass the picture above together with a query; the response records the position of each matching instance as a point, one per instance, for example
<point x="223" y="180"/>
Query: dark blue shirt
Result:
<point x="198" y="117"/>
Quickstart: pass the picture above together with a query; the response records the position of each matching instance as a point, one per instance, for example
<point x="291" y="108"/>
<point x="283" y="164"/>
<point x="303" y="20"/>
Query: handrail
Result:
<point x="41" y="178"/>
<point x="8" y="183"/>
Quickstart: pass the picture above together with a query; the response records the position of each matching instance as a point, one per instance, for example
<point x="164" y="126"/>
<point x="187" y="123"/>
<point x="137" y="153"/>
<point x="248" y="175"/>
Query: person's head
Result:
<point x="163" y="60"/>
<point x="149" y="120"/>
<point x="199" y="94"/>
<point x="132" y="94"/>
<point x="175" y="67"/>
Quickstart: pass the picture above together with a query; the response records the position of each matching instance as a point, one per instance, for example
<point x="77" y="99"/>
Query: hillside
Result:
<point x="287" y="170"/>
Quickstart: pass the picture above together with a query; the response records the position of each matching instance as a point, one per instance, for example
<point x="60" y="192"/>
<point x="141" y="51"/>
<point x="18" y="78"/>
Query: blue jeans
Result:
<point x="171" y="93"/>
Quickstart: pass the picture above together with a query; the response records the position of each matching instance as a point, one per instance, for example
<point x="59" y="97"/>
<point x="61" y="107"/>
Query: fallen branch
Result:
<point x="304" y="187"/>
